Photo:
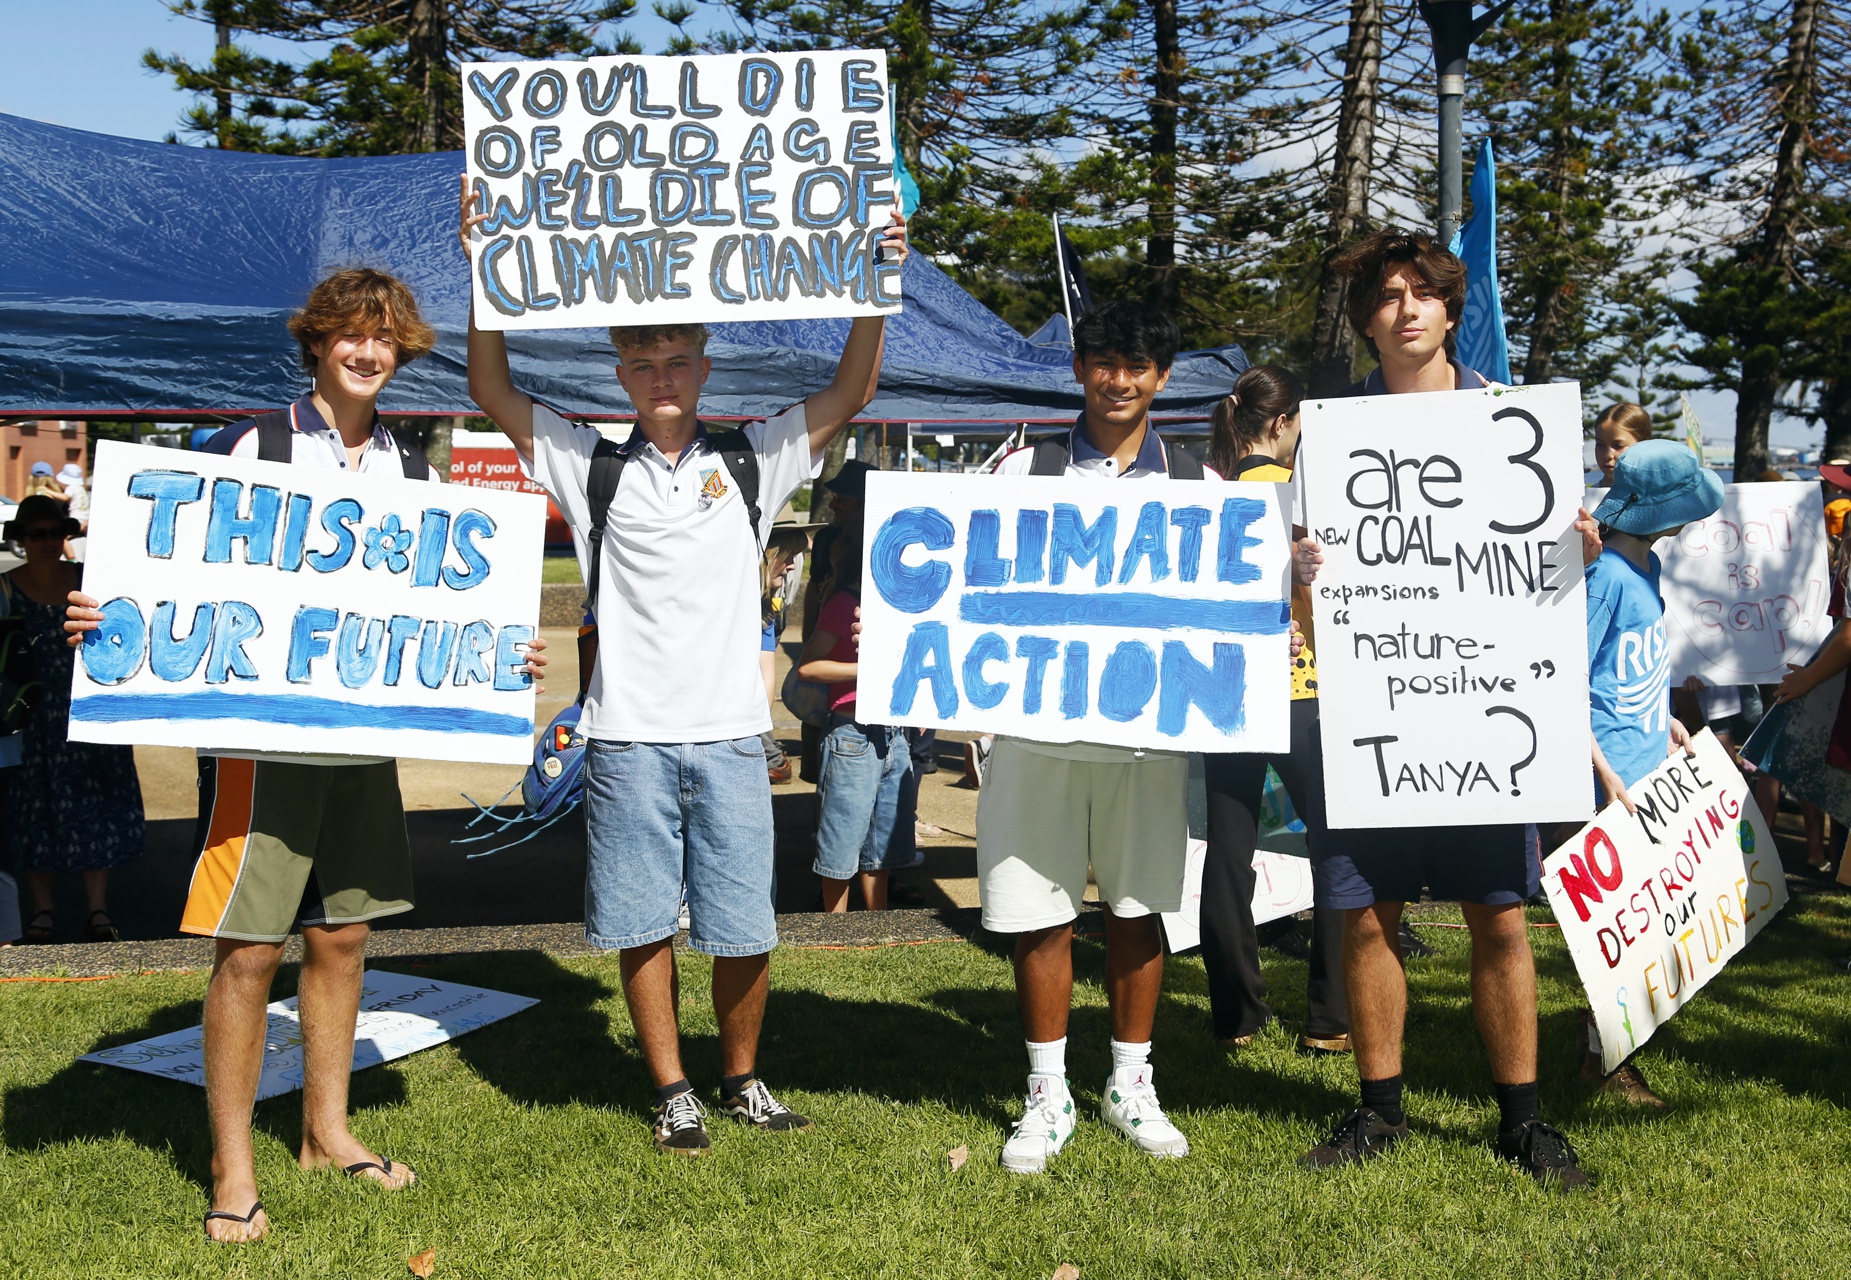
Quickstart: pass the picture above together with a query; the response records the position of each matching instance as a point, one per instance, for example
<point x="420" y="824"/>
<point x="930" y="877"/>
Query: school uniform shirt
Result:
<point x="678" y="592"/>
<point x="1629" y="665"/>
<point x="1084" y="462"/>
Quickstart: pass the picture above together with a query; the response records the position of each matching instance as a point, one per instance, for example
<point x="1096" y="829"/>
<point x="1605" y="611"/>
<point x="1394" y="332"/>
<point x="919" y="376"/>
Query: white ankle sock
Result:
<point x="1130" y="1055"/>
<point x="1048" y="1059"/>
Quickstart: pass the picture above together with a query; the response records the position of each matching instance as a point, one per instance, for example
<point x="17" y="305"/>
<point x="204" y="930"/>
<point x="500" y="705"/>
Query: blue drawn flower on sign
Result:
<point x="388" y="545"/>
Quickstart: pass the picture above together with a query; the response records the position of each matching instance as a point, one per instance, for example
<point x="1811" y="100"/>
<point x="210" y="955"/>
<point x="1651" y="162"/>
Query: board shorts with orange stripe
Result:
<point x="323" y="844"/>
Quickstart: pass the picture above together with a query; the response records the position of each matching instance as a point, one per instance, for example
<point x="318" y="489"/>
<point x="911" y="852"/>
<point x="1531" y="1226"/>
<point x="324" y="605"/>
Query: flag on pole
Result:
<point x="1079" y="295"/>
<point x="902" y="176"/>
<point x="1693" y="429"/>
<point x="1481" y="329"/>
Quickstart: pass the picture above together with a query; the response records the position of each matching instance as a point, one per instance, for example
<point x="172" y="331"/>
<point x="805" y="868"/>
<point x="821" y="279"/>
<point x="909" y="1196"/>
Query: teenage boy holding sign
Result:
<point x="1406" y="296"/>
<point x="676" y="787"/>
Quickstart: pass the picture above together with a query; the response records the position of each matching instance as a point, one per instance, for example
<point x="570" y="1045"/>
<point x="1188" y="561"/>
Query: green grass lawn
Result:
<point x="531" y="1141"/>
<point x="559" y="569"/>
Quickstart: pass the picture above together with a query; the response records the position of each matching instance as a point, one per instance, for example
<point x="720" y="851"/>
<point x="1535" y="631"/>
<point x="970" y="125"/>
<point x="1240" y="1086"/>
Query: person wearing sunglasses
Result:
<point x="72" y="806"/>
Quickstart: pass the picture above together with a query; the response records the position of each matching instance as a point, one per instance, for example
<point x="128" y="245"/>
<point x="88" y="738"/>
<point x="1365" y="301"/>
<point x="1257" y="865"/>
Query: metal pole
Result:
<point x="1060" y="274"/>
<point x="1454" y="29"/>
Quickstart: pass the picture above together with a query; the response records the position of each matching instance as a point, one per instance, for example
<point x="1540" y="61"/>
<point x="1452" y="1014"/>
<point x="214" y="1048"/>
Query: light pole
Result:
<point x="1454" y="31"/>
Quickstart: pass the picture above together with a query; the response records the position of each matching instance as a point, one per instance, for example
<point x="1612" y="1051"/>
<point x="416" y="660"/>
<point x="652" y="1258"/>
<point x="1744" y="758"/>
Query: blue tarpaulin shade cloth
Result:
<point x="149" y="280"/>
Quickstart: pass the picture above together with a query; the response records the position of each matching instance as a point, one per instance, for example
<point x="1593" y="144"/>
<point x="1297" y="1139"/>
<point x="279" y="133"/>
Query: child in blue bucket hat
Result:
<point x="1659" y="486"/>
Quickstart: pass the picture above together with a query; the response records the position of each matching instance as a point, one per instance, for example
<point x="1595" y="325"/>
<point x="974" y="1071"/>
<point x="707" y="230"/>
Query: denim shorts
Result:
<point x="866" y="797"/>
<point x="661" y="815"/>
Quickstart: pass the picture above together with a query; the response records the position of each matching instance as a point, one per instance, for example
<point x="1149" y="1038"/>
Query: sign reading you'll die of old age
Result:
<point x="1451" y="616"/>
<point x="687" y="190"/>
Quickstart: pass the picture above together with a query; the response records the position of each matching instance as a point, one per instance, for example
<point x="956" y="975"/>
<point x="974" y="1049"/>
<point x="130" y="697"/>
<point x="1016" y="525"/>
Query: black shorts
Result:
<point x="1493" y="866"/>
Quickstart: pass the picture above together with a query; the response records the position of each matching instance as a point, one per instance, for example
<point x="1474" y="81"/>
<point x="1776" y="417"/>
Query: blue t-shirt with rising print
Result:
<point x="1629" y="664"/>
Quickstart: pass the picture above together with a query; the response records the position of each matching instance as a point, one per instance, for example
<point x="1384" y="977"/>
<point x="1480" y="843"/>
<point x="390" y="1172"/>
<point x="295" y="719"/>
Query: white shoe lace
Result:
<point x="683" y="1111"/>
<point x="1138" y="1103"/>
<point x="1041" y="1116"/>
<point x="759" y="1102"/>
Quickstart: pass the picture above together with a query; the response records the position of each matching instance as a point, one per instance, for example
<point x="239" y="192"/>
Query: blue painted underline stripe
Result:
<point x="292" y="709"/>
<point x="1131" y="609"/>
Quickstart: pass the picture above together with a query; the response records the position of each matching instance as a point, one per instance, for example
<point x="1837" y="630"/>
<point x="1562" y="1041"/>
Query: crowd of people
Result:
<point x="691" y="586"/>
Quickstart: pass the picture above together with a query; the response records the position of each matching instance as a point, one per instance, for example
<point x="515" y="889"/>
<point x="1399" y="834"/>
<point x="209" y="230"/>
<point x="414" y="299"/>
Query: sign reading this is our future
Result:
<point x="689" y="190"/>
<point x="259" y="606"/>
<point x="1652" y="905"/>
<point x="1138" y="615"/>
<point x="1451" y="615"/>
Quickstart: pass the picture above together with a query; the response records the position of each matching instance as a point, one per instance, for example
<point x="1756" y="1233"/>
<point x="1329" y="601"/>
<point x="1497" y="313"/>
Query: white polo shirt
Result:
<point x="678" y="590"/>
<point x="1086" y="462"/>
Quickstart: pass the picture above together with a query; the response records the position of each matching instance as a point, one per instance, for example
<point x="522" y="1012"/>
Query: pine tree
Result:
<point x="390" y="83"/>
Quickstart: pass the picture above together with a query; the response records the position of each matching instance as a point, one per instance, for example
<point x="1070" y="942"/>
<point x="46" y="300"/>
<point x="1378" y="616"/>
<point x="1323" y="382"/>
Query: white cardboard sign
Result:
<point x="1653" y="905"/>
<point x="1131" y="614"/>
<point x="1451" y="615"/>
<point x="399" y="1015"/>
<point x="681" y="190"/>
<point x="1281" y="887"/>
<point x="259" y="606"/>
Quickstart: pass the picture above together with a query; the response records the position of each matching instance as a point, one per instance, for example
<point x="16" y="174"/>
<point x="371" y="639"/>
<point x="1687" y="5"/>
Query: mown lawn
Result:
<point x="531" y="1142"/>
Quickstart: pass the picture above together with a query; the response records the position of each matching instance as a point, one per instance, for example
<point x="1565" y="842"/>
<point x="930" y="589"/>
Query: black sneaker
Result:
<point x="1292" y="945"/>
<point x="1543" y="1152"/>
<point x="680" y="1127"/>
<point x="1411" y="945"/>
<point x="1361" y="1135"/>
<point x="755" y="1106"/>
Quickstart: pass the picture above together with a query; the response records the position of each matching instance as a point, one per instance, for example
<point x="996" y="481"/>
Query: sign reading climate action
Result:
<point x="1139" y="615"/>
<point x="1652" y="905"/>
<point x="1451" y="617"/>
<point x="730" y="187"/>
<point x="258" y="606"/>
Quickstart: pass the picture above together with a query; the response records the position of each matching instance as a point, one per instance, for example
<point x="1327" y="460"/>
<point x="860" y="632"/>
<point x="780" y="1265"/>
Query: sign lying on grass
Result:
<point x="1281" y="887"/>
<point x="1652" y="905"/>
<point x="399" y="1015"/>
<point x="1451" y="617"/>
<point x="683" y="190"/>
<point x="1140" y="615"/>
<point x="259" y="606"/>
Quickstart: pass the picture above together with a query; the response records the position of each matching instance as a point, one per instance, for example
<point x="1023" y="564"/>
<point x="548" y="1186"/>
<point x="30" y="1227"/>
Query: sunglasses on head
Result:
<point x="41" y="534"/>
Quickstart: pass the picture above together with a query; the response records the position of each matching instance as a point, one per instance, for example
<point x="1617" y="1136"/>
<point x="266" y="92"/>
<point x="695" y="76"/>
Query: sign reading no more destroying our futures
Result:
<point x="1652" y="905"/>
<point x="1128" y="614"/>
<point x="1451" y="613"/>
<point x="260" y="606"/>
<point x="686" y="190"/>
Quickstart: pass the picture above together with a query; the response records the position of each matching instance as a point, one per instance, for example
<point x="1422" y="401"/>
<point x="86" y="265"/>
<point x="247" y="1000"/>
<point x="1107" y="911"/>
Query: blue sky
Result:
<point x="78" y="63"/>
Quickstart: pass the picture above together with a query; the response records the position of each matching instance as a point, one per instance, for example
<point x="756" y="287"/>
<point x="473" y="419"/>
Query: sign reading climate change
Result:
<point x="1652" y="905"/>
<point x="257" y="606"/>
<point x="1451" y="616"/>
<point x="731" y="187"/>
<point x="1138" y="615"/>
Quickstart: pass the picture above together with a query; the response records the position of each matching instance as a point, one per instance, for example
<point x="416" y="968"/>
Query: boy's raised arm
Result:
<point x="491" y="386"/>
<point x="858" y="373"/>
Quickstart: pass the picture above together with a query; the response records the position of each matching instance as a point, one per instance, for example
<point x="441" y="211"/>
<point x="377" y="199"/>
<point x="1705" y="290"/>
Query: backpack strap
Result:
<point x="1051" y="457"/>
<point x="275" y="434"/>
<point x="1181" y="464"/>
<point x="741" y="459"/>
<point x="411" y="459"/>
<point x="607" y="461"/>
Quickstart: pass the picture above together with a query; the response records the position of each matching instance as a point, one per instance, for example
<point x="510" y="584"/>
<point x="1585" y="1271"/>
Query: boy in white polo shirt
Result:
<point x="676" y="788"/>
<point x="1047" y="810"/>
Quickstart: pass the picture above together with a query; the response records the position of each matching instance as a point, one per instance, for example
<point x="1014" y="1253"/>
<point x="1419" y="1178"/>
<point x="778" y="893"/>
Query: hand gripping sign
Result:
<point x="1127" y="613"/>
<point x="1451" y="616"/>
<point x="683" y="190"/>
<point x="258" y="606"/>
<point x="1652" y="905"/>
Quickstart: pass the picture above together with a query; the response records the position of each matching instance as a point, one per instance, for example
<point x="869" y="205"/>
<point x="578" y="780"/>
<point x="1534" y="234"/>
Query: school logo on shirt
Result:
<point x="713" y="486"/>
<point x="1642" y="666"/>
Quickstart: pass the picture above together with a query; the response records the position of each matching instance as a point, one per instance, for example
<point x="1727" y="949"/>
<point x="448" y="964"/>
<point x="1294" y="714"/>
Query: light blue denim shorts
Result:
<point x="866" y="796"/>
<point x="658" y="815"/>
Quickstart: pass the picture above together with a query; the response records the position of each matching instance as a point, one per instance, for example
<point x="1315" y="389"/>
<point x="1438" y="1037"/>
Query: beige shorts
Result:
<point x="1042" y="819"/>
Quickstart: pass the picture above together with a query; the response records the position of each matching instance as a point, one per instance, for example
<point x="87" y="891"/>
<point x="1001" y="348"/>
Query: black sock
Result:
<point x="733" y="1086"/>
<point x="1384" y="1098"/>
<point x="1517" y="1105"/>
<point x="667" y="1091"/>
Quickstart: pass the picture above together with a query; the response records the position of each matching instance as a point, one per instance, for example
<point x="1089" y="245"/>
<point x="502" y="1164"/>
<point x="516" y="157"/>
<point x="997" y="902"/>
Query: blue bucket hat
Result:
<point x="1658" y="485"/>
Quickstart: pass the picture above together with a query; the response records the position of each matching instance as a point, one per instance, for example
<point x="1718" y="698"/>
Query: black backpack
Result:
<point x="274" y="444"/>
<point x="20" y="686"/>
<point x="1051" y="457"/>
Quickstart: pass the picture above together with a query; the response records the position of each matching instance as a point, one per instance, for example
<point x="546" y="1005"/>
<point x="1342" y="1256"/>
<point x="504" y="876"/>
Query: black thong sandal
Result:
<point x="225" y="1215"/>
<point x="384" y="1165"/>
<point x="36" y="933"/>
<point x="105" y="932"/>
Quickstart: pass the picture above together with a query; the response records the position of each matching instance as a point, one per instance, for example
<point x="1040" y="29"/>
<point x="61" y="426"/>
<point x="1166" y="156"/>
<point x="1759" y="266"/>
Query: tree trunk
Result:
<point x="1165" y="104"/>
<point x="427" y="55"/>
<point x="1798" y="83"/>
<point x="910" y="78"/>
<point x="833" y="458"/>
<point x="221" y="98"/>
<point x="1545" y="327"/>
<point x="1332" y="345"/>
<point x="1835" y="409"/>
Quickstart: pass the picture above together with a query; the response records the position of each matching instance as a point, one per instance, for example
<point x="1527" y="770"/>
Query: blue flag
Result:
<point x="1481" y="329"/>
<point x="902" y="177"/>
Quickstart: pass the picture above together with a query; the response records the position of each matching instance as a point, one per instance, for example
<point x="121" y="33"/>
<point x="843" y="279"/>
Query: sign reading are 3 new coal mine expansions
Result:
<point x="1451" y="615"/>
<point x="263" y="607"/>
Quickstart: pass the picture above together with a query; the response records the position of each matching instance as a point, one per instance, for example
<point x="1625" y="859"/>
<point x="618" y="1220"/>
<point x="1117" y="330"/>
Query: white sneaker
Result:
<point x="1045" y="1126"/>
<point x="1130" y="1106"/>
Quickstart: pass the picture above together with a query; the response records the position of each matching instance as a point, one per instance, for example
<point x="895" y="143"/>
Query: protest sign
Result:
<point x="399" y="1015"/>
<point x="1281" y="887"/>
<point x="487" y="460"/>
<point x="1451" y="617"/>
<point x="1793" y="745"/>
<point x="1138" y="615"/>
<point x="1652" y="905"/>
<point x="259" y="606"/>
<point x="680" y="190"/>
